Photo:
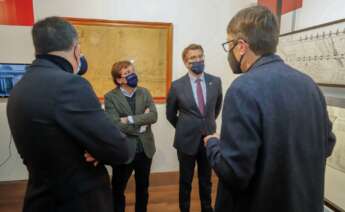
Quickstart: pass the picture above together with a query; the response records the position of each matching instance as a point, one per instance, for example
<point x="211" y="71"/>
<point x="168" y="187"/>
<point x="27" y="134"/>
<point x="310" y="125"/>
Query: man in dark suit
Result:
<point x="276" y="134"/>
<point x="132" y="109"/>
<point x="193" y="104"/>
<point x="55" y="117"/>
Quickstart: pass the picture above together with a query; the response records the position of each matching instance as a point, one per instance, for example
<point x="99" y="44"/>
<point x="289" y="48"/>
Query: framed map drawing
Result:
<point x="318" y="51"/>
<point x="335" y="170"/>
<point x="148" y="45"/>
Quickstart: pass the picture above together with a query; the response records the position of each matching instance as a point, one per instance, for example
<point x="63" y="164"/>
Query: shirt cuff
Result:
<point x="212" y="142"/>
<point x="143" y="129"/>
<point x="130" y="119"/>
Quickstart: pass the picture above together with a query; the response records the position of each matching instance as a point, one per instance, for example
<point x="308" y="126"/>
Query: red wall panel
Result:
<point x="16" y="12"/>
<point x="287" y="6"/>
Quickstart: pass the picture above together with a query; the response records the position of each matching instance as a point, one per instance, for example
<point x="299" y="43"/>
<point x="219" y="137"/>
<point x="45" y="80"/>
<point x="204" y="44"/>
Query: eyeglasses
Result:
<point x="226" y="46"/>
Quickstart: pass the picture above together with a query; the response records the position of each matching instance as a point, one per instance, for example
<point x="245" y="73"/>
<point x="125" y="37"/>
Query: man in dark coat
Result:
<point x="55" y="117"/>
<point x="193" y="104"/>
<point x="276" y="134"/>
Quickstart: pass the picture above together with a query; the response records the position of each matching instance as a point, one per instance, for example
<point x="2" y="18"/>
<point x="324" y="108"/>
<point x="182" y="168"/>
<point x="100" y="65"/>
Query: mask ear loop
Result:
<point x="76" y="58"/>
<point x="239" y="62"/>
<point x="241" y="58"/>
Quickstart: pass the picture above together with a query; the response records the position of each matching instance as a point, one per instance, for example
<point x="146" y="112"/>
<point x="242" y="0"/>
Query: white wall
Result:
<point x="314" y="12"/>
<point x="197" y="21"/>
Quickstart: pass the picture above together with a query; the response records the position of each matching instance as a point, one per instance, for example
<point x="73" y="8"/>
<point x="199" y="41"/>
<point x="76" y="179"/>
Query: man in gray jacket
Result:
<point x="132" y="109"/>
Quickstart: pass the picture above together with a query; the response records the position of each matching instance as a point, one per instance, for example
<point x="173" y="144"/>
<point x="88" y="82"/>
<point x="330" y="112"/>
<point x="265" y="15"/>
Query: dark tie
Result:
<point x="200" y="95"/>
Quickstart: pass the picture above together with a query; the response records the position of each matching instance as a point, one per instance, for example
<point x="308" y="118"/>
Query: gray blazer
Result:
<point x="116" y="106"/>
<point x="183" y="113"/>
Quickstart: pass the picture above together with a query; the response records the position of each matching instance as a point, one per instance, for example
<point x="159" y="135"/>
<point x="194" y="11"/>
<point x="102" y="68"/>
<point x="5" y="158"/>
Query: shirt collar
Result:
<point x="125" y="93"/>
<point x="193" y="78"/>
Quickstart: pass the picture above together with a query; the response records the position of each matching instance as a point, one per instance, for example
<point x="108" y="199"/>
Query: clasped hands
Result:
<point x="90" y="159"/>
<point x="207" y="138"/>
<point x="124" y="120"/>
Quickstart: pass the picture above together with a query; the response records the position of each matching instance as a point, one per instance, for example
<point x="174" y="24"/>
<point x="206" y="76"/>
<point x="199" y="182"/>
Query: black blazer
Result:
<point x="54" y="117"/>
<point x="183" y="113"/>
<point x="275" y="138"/>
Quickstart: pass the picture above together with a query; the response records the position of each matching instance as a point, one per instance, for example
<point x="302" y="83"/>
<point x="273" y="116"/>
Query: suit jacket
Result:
<point x="54" y="117"/>
<point x="275" y="138"/>
<point x="116" y="106"/>
<point x="183" y="113"/>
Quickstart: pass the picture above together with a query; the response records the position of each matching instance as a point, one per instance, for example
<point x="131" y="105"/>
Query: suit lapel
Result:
<point x="188" y="92"/>
<point x="138" y="100"/>
<point x="123" y="101"/>
<point x="209" y="90"/>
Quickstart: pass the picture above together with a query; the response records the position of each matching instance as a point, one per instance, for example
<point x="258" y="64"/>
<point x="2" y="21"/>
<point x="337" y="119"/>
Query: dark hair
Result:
<point x="192" y="46"/>
<point x="53" y="34"/>
<point x="117" y="67"/>
<point x="258" y="26"/>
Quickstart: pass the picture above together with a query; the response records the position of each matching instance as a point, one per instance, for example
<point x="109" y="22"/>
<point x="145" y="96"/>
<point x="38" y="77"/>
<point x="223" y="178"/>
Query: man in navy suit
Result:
<point x="193" y="105"/>
<point x="276" y="134"/>
<point x="55" y="117"/>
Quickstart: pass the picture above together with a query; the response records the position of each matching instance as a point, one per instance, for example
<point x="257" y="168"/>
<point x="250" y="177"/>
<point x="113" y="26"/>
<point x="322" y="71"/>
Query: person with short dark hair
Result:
<point x="276" y="133"/>
<point x="193" y="105"/>
<point x="132" y="109"/>
<point x="60" y="129"/>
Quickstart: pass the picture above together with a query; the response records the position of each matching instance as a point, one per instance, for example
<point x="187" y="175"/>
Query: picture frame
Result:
<point x="147" y="44"/>
<point x="318" y="51"/>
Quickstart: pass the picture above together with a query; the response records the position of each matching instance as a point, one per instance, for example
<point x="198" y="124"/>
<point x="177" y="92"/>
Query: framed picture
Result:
<point x="148" y="45"/>
<point x="10" y="74"/>
<point x="335" y="169"/>
<point x="318" y="51"/>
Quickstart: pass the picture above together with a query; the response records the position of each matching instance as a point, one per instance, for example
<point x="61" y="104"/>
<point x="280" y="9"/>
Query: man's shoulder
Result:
<point x="143" y="91"/>
<point x="212" y="78"/>
<point x="112" y="93"/>
<point x="180" y="80"/>
<point x="53" y="76"/>
<point x="245" y="83"/>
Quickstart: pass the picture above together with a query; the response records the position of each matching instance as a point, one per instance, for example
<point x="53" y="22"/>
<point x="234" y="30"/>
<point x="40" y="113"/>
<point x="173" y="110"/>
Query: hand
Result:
<point x="124" y="120"/>
<point x="147" y="110"/>
<point x="89" y="158"/>
<point x="207" y="138"/>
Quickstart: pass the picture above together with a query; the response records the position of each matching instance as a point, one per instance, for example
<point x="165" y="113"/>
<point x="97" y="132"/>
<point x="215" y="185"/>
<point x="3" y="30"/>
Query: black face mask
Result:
<point x="132" y="80"/>
<point x="198" y="67"/>
<point x="234" y="64"/>
<point x="83" y="66"/>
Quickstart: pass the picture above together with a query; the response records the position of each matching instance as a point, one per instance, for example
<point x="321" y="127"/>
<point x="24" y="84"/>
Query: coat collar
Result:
<point x="57" y="60"/>
<point x="123" y="101"/>
<point x="265" y="59"/>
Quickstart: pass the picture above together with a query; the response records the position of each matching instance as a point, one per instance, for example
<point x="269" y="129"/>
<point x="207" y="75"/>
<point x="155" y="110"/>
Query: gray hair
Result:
<point x="258" y="26"/>
<point x="53" y="34"/>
